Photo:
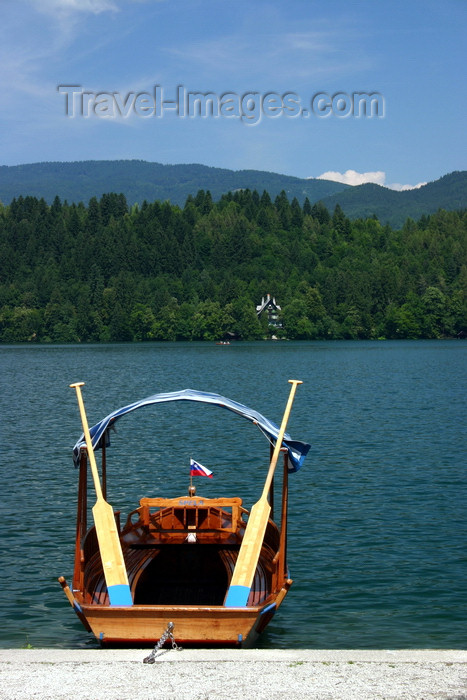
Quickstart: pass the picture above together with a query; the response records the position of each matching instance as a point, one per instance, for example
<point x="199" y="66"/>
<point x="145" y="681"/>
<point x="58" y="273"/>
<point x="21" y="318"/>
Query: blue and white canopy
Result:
<point x="297" y="451"/>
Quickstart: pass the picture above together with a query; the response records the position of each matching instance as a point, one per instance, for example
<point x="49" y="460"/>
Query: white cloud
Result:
<point x="69" y="6"/>
<point x="276" y="54"/>
<point x="378" y="177"/>
<point x="400" y="188"/>
<point x="351" y="177"/>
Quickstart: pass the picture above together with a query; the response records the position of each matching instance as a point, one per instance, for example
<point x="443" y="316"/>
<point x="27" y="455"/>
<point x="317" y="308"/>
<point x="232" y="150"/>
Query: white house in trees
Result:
<point x="271" y="308"/>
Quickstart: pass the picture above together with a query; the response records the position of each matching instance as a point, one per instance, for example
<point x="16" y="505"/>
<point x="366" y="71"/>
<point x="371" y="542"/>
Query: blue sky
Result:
<point x="410" y="53"/>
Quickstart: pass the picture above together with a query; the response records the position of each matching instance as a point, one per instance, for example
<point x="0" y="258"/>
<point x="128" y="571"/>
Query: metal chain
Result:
<point x="168" y="634"/>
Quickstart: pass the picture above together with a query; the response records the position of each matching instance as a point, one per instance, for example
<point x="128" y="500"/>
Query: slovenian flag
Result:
<point x="197" y="469"/>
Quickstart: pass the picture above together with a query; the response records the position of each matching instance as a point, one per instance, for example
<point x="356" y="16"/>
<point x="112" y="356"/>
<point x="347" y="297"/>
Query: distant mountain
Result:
<point x="139" y="180"/>
<point x="363" y="201"/>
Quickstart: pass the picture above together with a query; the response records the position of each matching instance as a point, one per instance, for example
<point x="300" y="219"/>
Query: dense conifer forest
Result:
<point x="110" y="272"/>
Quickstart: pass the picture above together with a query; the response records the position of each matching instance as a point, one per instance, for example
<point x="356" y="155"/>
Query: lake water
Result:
<point x="377" y="529"/>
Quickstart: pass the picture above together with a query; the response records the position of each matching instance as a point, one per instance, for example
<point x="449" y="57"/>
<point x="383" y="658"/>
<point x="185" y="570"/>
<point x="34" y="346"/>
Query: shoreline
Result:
<point x="197" y="674"/>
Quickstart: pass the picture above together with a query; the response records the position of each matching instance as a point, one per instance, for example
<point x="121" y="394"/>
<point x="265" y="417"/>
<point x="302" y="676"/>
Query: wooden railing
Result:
<point x="192" y="512"/>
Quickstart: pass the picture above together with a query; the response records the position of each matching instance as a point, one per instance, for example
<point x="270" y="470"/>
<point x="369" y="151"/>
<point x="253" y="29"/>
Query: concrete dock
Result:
<point x="199" y="674"/>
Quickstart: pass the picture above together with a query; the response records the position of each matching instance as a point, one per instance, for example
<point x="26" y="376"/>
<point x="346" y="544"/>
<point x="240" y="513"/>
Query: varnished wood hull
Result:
<point x="193" y="625"/>
<point x="174" y="581"/>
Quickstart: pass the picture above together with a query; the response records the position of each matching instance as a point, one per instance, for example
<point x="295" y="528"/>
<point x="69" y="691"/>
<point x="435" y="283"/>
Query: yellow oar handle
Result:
<point x="280" y="437"/>
<point x="110" y="548"/>
<point x="250" y="548"/>
<point x="87" y="437"/>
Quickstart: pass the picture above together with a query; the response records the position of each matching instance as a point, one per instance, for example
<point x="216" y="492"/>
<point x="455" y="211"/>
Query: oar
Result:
<point x="242" y="577"/>
<point x="109" y="543"/>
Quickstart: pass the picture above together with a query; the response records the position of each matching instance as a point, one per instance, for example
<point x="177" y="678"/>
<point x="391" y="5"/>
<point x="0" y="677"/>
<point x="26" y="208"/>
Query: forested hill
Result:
<point x="389" y="206"/>
<point x="110" y="272"/>
<point x="139" y="180"/>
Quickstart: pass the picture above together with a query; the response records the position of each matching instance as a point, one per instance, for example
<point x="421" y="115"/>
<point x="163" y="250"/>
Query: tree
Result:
<point x="297" y="214"/>
<point x="142" y="322"/>
<point x="94" y="221"/>
<point x="434" y="313"/>
<point x="340" y="223"/>
<point x="284" y="210"/>
<point x="119" y="327"/>
<point x="319" y="212"/>
<point x="60" y="321"/>
<point x="211" y="321"/>
<point x="20" y="325"/>
<point x="245" y="320"/>
<point x="296" y="324"/>
<point x="314" y="307"/>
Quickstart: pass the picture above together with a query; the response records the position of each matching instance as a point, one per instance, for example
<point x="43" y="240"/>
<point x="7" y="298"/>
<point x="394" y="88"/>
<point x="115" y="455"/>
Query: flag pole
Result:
<point x="190" y="490"/>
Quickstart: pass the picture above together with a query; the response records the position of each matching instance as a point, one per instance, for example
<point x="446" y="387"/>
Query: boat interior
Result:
<point x="182" y="551"/>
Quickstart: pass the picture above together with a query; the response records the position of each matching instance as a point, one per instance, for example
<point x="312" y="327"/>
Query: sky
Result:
<point x="361" y="91"/>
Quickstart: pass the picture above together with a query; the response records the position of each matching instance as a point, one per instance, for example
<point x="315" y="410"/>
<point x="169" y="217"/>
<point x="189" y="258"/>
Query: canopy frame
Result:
<point x="99" y="432"/>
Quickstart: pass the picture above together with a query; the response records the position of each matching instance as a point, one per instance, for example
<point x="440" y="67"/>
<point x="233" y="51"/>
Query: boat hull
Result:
<point x="173" y="580"/>
<point x="193" y="625"/>
<point x="180" y="555"/>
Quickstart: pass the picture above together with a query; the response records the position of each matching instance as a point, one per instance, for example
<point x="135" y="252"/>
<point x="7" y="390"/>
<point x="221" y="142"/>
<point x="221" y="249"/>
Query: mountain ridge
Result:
<point x="141" y="180"/>
<point x="394" y="207"/>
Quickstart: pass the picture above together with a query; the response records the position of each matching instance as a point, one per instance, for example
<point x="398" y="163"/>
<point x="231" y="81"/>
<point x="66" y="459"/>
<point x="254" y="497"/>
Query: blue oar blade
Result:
<point x="120" y="594"/>
<point x="237" y="597"/>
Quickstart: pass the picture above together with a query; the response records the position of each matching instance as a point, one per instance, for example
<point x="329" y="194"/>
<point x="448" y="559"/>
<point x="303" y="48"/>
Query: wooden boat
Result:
<point x="214" y="570"/>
